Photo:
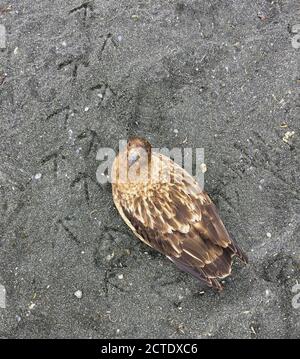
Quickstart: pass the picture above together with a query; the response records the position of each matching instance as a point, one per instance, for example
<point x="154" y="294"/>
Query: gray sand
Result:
<point x="77" y="76"/>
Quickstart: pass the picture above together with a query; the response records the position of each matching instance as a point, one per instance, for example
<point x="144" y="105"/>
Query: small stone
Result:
<point x="110" y="257"/>
<point x="246" y="312"/>
<point x="120" y="276"/>
<point x="269" y="235"/>
<point x="262" y="17"/>
<point x="78" y="294"/>
<point x="86" y="109"/>
<point x="31" y="306"/>
<point x="38" y="176"/>
<point x="287" y="136"/>
<point x="175" y="130"/>
<point x="284" y="125"/>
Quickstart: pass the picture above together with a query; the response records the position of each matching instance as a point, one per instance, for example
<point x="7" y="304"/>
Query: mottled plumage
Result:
<point x="166" y="208"/>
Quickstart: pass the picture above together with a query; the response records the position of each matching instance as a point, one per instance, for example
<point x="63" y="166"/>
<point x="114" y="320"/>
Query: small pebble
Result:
<point x="78" y="294"/>
<point x="269" y="235"/>
<point x="120" y="276"/>
<point x="287" y="136"/>
<point x="284" y="125"/>
<point x="262" y="17"/>
<point x="110" y="257"/>
<point x="38" y="176"/>
<point x="32" y="305"/>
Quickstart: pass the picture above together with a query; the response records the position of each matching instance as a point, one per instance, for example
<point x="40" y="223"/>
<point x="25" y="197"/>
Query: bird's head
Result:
<point x="133" y="163"/>
<point x="138" y="152"/>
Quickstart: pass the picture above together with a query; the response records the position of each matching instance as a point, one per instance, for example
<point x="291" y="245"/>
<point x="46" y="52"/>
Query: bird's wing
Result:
<point x="179" y="220"/>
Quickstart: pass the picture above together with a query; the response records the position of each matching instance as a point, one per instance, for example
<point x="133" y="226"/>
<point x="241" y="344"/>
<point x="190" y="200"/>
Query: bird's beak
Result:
<point x="132" y="158"/>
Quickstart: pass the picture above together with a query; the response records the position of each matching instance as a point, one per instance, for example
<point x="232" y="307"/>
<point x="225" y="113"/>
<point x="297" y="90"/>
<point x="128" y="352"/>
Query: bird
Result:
<point x="167" y="209"/>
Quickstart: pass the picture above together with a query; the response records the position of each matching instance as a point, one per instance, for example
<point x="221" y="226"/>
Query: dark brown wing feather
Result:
<point x="201" y="254"/>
